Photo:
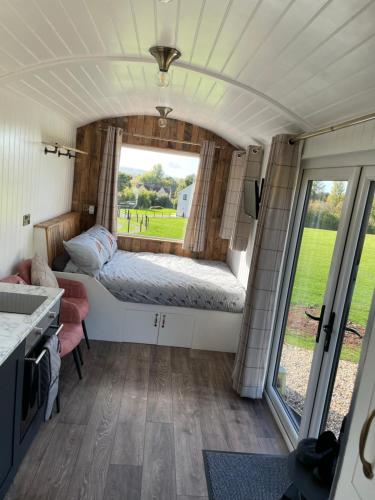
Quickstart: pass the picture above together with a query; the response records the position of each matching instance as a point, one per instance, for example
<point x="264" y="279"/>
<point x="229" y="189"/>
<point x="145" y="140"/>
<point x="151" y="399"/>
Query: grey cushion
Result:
<point x="106" y="238"/>
<point x="41" y="273"/>
<point x="87" y="253"/>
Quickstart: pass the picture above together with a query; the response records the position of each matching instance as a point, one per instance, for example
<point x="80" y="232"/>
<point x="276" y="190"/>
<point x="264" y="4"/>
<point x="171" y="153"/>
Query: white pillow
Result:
<point x="87" y="253"/>
<point x="41" y="273"/>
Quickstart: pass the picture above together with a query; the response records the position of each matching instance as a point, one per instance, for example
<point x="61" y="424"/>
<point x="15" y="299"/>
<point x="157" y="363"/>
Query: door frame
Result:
<point x="308" y="172"/>
<point x="353" y="237"/>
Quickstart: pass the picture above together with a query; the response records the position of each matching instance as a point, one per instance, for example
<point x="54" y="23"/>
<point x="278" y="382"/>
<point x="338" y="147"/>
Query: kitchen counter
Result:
<point x="14" y="328"/>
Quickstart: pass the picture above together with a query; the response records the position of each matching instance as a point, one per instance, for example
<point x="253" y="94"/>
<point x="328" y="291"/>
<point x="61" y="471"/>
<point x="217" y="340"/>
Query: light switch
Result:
<point x="26" y="219"/>
<point x="91" y="209"/>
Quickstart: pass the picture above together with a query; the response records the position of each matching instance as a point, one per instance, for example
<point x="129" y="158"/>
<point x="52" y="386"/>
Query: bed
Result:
<point x="170" y="280"/>
<point x="153" y="298"/>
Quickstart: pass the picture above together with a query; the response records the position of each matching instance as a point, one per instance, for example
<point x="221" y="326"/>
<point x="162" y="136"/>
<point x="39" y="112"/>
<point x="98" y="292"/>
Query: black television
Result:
<point x="252" y="197"/>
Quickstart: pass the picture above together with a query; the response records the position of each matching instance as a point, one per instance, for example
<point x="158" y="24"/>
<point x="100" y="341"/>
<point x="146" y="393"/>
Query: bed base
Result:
<point x="113" y="320"/>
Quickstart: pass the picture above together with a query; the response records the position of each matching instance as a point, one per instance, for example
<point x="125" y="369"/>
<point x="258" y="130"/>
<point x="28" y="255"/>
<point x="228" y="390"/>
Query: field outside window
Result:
<point x="155" y="189"/>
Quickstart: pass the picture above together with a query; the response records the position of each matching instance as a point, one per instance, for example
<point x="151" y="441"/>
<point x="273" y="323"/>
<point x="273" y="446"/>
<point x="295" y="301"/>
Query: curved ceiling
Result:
<point x="249" y="68"/>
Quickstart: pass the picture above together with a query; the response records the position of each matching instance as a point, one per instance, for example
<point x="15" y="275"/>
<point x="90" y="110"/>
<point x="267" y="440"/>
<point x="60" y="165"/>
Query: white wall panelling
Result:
<point x="30" y="182"/>
<point x="249" y="68"/>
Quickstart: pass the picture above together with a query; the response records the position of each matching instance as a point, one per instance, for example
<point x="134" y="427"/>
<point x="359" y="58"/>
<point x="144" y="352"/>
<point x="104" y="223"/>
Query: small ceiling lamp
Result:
<point x="165" y="1"/>
<point x="163" y="112"/>
<point x="164" y="56"/>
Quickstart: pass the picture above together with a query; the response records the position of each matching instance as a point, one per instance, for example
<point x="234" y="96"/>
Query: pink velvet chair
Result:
<point x="72" y="331"/>
<point x="75" y="293"/>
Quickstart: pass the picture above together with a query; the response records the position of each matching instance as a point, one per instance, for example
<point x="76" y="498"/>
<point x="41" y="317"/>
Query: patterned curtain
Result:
<point x="233" y="194"/>
<point x="236" y="225"/>
<point x="244" y="223"/>
<point x="106" y="214"/>
<point x="195" y="236"/>
<point x="249" y="373"/>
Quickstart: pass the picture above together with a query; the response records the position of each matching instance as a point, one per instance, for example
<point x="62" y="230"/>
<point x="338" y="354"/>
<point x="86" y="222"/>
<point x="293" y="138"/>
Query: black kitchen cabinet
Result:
<point x="11" y="374"/>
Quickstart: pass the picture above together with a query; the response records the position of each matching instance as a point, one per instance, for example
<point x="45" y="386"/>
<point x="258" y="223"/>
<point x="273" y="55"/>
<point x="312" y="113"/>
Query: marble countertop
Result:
<point x="14" y="328"/>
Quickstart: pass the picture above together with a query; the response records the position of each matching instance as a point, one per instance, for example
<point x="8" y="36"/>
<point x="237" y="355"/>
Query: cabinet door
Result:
<point x="176" y="330"/>
<point x="8" y="379"/>
<point x="141" y="326"/>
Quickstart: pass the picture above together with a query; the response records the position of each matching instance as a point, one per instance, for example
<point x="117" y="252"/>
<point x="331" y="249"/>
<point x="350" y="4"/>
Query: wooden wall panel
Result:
<point x="91" y="138"/>
<point x="56" y="230"/>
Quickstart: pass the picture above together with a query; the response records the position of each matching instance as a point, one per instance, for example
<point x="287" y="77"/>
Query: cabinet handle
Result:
<point x="37" y="360"/>
<point x="38" y="330"/>
<point x="52" y="314"/>
<point x="156" y="320"/>
<point x="367" y="467"/>
<point x="163" y="321"/>
<point x="58" y="328"/>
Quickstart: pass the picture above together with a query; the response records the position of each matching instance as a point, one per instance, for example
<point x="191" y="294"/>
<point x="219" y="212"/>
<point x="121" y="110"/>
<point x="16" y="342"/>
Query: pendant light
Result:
<point x="164" y="56"/>
<point x="163" y="112"/>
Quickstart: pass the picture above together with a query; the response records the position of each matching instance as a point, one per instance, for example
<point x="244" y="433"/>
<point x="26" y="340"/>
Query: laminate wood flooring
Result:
<point x="135" y="426"/>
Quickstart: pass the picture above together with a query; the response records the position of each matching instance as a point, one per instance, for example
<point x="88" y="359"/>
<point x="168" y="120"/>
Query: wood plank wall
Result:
<point x="91" y="138"/>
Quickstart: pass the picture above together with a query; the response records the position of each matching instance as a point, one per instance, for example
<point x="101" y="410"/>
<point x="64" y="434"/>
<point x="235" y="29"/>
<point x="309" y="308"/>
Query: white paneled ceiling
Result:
<point x="249" y="68"/>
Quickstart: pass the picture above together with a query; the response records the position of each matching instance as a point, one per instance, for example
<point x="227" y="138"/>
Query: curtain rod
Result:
<point x="333" y="128"/>
<point x="154" y="138"/>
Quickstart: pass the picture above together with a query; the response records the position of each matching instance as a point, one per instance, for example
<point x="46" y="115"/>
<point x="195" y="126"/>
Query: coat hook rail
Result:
<point x="57" y="148"/>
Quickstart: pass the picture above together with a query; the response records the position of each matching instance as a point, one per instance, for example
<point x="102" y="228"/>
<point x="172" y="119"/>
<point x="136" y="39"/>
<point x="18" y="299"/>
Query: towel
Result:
<point x="50" y="373"/>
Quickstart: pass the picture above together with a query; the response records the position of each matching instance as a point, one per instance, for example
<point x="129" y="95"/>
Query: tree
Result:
<point x="127" y="194"/>
<point x="183" y="183"/>
<point x="124" y="181"/>
<point x="318" y="191"/>
<point x="336" y="196"/>
<point x="154" y="178"/>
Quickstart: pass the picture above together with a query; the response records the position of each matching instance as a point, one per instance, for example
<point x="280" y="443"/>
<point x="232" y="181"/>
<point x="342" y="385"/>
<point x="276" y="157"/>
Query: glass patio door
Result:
<point x="352" y="304"/>
<point x="309" y="283"/>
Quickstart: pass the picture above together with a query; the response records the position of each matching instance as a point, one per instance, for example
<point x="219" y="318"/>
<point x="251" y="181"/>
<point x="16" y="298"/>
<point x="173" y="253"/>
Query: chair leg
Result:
<point x="85" y="334"/>
<point x="58" y="403"/>
<point x="77" y="363"/>
<point x="80" y="354"/>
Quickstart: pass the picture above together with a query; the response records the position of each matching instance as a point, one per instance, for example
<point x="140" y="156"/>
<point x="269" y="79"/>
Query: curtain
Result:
<point x="233" y="194"/>
<point x="252" y="356"/>
<point x="244" y="223"/>
<point x="195" y="236"/>
<point x="236" y="225"/>
<point x="106" y="214"/>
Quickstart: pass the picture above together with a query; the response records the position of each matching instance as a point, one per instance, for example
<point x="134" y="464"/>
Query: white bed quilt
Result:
<point x="169" y="280"/>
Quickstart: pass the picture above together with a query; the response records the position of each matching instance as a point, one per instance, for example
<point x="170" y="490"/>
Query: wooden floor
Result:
<point x="135" y="426"/>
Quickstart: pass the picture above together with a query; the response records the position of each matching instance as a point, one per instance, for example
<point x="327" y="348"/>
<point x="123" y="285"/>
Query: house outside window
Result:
<point x="155" y="190"/>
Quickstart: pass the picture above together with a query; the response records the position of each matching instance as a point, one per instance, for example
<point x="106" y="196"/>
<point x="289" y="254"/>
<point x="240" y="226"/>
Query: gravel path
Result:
<point x="297" y="363"/>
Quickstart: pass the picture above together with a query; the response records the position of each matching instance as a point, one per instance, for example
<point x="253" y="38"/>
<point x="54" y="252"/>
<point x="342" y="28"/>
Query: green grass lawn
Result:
<point x="313" y="269"/>
<point x="298" y="339"/>
<point x="161" y="227"/>
<point x="151" y="213"/>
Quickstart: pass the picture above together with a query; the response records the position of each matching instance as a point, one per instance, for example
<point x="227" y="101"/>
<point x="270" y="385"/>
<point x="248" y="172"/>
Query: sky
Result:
<point x="174" y="165"/>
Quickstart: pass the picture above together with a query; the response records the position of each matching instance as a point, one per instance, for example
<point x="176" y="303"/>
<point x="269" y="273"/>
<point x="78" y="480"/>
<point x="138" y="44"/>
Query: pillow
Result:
<point x="59" y="263"/>
<point x="87" y="253"/>
<point x="106" y="238"/>
<point x="41" y="273"/>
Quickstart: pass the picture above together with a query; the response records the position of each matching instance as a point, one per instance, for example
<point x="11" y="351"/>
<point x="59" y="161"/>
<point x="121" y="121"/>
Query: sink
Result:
<point x="20" y="303"/>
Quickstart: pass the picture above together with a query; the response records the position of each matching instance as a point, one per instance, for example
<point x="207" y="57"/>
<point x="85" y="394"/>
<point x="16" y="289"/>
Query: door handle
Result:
<point x="367" y="467"/>
<point x="352" y="330"/>
<point x="156" y="320"/>
<point x="163" y="321"/>
<point x="317" y="318"/>
<point x="328" y="329"/>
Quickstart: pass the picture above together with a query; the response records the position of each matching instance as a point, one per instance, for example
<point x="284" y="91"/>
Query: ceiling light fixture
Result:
<point x="164" y="56"/>
<point x="165" y="1"/>
<point x="163" y="112"/>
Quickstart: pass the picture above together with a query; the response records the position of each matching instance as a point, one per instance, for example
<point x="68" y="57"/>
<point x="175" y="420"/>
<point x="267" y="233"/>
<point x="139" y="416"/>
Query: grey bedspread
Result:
<point x="169" y="280"/>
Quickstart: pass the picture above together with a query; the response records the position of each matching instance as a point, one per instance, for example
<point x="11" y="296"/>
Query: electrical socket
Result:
<point x="26" y="219"/>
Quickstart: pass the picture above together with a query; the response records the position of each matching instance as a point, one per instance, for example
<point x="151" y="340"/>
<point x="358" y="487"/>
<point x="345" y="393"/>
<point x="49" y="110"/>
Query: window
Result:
<point x="155" y="190"/>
